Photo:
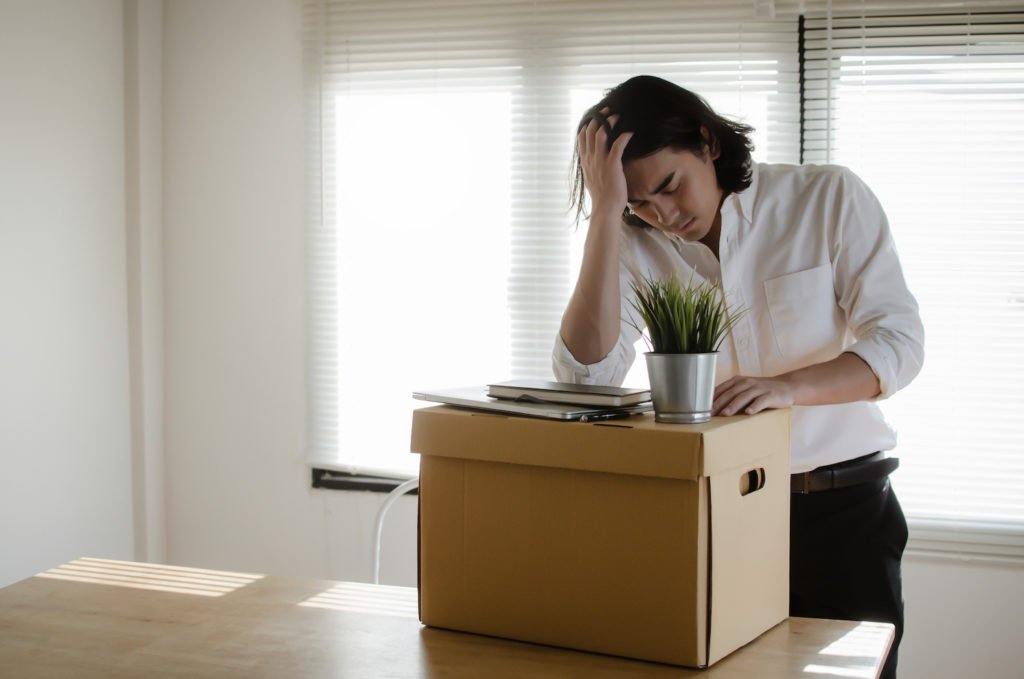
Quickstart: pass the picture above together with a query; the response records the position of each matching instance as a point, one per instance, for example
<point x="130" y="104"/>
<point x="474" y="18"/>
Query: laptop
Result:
<point x="477" y="399"/>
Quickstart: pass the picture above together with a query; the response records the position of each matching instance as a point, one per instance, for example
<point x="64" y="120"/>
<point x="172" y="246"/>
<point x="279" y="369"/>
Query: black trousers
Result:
<point x="845" y="551"/>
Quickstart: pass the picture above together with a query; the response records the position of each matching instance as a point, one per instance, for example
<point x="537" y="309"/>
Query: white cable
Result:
<point x="378" y="528"/>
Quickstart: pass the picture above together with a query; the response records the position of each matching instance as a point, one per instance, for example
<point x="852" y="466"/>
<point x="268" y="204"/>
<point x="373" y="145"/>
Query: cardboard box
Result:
<point x="627" y="537"/>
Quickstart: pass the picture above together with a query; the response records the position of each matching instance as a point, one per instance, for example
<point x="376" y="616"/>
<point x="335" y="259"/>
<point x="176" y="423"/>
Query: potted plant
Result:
<point x="685" y="325"/>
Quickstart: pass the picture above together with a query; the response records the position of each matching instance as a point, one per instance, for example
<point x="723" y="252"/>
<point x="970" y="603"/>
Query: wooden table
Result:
<point x="111" y="619"/>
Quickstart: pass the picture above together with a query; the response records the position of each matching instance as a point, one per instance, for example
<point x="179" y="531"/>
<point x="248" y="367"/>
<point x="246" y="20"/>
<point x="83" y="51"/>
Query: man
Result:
<point x="829" y="327"/>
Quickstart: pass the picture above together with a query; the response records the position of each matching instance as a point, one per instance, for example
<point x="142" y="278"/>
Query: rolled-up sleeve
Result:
<point x="882" y="314"/>
<point x="610" y="370"/>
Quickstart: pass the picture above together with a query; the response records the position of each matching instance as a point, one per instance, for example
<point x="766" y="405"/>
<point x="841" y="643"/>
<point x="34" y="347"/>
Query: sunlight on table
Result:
<point x="356" y="597"/>
<point x="860" y="642"/>
<point x="177" y="579"/>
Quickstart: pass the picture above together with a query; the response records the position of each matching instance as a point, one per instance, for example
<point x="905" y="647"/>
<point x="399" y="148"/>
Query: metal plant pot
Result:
<point x="682" y="386"/>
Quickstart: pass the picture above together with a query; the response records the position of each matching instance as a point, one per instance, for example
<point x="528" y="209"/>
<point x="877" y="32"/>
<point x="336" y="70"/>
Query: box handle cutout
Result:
<point x="752" y="481"/>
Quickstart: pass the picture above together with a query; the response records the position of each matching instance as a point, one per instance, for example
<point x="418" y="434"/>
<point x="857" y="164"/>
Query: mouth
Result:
<point x="685" y="226"/>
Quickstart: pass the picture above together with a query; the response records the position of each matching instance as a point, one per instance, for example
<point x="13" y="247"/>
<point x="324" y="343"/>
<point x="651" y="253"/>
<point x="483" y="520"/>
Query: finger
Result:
<point x="726" y="406"/>
<point x="586" y="134"/>
<point x="738" y="401"/>
<point x="722" y="402"/>
<point x="605" y="123"/>
<point x="610" y="118"/>
<point x="582" y="143"/>
<point x="760" y="403"/>
<point x="593" y="130"/>
<point x="736" y="405"/>
<point x="729" y="391"/>
<point x="601" y="136"/>
<point x="725" y="386"/>
<point x="619" y="146"/>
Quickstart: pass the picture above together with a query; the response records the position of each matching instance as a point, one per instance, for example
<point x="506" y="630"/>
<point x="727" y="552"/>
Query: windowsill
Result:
<point x="966" y="541"/>
<point x="336" y="468"/>
<point x="330" y="479"/>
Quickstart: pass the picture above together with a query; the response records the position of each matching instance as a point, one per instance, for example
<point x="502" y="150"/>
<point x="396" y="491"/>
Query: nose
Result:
<point x="666" y="212"/>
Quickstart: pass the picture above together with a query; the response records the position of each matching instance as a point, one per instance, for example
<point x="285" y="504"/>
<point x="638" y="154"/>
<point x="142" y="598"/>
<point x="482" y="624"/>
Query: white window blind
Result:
<point x="926" y="104"/>
<point x="441" y="251"/>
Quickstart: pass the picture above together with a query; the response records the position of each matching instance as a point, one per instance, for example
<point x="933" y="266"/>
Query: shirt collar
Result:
<point x="744" y="201"/>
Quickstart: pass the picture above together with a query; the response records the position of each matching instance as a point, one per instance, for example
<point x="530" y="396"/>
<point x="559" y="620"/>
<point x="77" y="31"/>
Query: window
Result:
<point x="926" y="107"/>
<point x="442" y="254"/>
<point x="441" y="248"/>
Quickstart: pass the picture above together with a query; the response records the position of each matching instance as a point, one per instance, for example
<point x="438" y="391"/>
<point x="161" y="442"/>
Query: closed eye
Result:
<point x="661" y="188"/>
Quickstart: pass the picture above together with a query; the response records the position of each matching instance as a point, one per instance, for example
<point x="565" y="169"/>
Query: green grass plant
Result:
<point x="690" y="319"/>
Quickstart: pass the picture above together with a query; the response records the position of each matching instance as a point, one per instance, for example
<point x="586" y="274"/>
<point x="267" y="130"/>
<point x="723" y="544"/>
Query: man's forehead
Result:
<point x="649" y="185"/>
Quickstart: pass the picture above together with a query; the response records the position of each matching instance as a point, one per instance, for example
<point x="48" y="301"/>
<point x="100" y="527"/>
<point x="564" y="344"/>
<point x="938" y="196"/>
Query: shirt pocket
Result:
<point x="806" y="319"/>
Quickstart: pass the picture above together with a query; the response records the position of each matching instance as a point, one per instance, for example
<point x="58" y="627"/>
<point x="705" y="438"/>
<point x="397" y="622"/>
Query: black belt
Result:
<point x="844" y="474"/>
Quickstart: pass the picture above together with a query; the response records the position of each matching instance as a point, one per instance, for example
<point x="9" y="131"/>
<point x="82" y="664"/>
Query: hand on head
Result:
<point x="600" y="152"/>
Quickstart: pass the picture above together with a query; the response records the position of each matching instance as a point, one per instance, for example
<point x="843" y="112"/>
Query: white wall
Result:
<point x="65" y="465"/>
<point x="964" y="619"/>
<point x="237" y="487"/>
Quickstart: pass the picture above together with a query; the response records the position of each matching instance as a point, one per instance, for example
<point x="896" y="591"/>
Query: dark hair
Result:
<point x="662" y="115"/>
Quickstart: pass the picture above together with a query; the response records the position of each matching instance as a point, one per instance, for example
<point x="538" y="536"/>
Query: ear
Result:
<point x="710" y="144"/>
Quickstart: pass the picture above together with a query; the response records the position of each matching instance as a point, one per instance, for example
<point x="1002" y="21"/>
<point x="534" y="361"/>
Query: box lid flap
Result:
<point x="637" y="445"/>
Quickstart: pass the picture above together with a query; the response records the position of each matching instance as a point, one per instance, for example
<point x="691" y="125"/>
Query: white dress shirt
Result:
<point x="807" y="251"/>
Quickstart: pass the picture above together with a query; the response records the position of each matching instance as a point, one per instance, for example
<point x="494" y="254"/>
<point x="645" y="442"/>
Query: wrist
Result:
<point x="607" y="213"/>
<point x="795" y="386"/>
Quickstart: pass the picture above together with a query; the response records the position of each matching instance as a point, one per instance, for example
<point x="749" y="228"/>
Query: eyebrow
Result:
<point x="662" y="186"/>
